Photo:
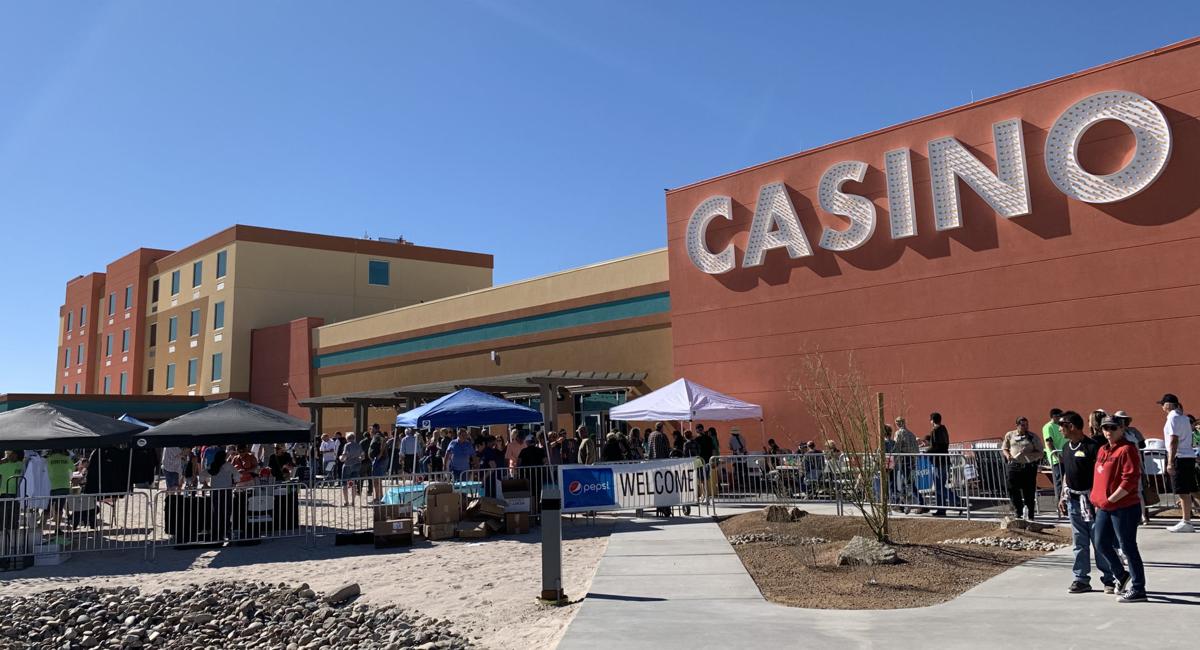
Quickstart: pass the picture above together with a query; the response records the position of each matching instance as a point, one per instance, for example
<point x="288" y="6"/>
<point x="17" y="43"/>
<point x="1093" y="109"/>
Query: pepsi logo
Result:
<point x="575" y="487"/>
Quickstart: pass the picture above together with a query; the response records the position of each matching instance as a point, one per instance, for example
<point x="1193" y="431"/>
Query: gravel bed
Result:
<point x="215" y="615"/>
<point x="1010" y="543"/>
<point x="757" y="538"/>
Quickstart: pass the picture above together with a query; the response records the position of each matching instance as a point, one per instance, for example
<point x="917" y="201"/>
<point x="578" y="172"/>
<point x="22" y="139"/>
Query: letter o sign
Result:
<point x="1151" y="133"/>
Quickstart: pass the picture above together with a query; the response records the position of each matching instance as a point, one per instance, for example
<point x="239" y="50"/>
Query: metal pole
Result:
<point x="552" y="545"/>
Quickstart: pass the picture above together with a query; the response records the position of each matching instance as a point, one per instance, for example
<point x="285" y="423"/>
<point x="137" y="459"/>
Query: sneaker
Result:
<point x="1110" y="589"/>
<point x="1181" y="527"/>
<point x="1122" y="581"/>
<point x="1078" y="587"/>
<point x="1132" y="596"/>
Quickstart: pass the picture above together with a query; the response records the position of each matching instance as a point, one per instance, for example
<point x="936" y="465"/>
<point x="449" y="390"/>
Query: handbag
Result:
<point x="1149" y="490"/>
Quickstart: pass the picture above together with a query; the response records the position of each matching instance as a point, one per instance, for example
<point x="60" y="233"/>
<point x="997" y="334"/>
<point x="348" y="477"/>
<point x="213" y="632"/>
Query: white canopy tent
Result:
<point x="685" y="400"/>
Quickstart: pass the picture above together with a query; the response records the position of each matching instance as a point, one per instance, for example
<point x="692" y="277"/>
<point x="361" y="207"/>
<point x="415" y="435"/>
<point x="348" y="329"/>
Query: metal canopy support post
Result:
<point x="549" y="397"/>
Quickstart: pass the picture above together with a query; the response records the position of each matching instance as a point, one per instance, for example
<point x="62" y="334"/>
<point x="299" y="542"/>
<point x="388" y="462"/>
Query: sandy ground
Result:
<point x="487" y="588"/>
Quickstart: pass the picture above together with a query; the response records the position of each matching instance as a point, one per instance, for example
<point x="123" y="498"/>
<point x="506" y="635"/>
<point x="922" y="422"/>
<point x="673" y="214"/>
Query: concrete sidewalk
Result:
<point x="678" y="583"/>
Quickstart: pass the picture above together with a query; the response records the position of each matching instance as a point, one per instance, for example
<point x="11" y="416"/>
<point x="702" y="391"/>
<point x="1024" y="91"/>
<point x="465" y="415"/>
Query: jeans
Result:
<point x="1122" y="524"/>
<point x="1056" y="469"/>
<point x="942" y="494"/>
<point x="1083" y="539"/>
<point x="905" y="489"/>
<point x="1022" y="487"/>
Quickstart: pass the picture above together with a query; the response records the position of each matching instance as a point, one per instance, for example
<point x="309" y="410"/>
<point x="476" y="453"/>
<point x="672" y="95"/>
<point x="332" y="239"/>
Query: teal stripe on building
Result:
<point x="658" y="303"/>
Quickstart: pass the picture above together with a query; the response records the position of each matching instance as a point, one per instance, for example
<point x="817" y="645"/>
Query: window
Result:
<point x="122" y="383"/>
<point x="76" y="388"/>
<point x="83" y="316"/>
<point x="154" y="290"/>
<point x="219" y="315"/>
<point x="216" y="367"/>
<point x="106" y="384"/>
<point x="69" y="315"/>
<point x="197" y="273"/>
<point x="170" y="376"/>
<point x="222" y="263"/>
<point x="378" y="272"/>
<point x="125" y="340"/>
<point x="64" y="390"/>
<point x="172" y="329"/>
<point x="129" y="297"/>
<point x="108" y="345"/>
<point x="67" y="358"/>
<point x="112" y="303"/>
<point x="193" y="371"/>
<point x="194" y="326"/>
<point x="174" y="283"/>
<point x="79" y="354"/>
<point x="153" y="334"/>
<point x="150" y="380"/>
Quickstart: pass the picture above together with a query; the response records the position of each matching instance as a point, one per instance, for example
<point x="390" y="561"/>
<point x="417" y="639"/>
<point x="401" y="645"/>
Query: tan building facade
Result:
<point x="609" y="317"/>
<point x="186" y="329"/>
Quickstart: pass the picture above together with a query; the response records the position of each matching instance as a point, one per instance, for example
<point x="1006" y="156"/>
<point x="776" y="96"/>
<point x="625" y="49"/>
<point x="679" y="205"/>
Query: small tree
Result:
<point x="850" y="413"/>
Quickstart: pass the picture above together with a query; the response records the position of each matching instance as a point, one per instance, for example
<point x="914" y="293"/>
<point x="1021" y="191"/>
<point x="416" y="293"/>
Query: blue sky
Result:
<point x="541" y="132"/>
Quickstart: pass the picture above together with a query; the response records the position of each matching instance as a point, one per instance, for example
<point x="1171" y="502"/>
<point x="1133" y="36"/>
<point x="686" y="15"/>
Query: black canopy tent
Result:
<point x="47" y="426"/>
<point x="230" y="422"/>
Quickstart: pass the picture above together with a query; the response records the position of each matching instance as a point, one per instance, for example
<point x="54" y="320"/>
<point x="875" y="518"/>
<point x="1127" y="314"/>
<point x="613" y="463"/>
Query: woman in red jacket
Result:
<point x="1118" y="508"/>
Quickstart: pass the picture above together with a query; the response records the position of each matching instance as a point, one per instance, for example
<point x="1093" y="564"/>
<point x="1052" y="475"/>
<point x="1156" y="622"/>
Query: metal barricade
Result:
<point x="217" y="515"/>
<point x="488" y="482"/>
<point x="761" y="479"/>
<point x="49" y="527"/>
<point x="347" y="505"/>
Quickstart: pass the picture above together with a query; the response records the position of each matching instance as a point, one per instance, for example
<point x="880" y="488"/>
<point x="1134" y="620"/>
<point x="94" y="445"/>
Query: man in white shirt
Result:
<point x="410" y="447"/>
<point x="1181" y="459"/>
<point x="329" y="454"/>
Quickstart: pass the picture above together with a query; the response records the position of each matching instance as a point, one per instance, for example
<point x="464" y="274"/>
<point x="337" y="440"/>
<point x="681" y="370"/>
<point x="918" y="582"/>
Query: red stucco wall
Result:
<point x="283" y="354"/>
<point x="1075" y="305"/>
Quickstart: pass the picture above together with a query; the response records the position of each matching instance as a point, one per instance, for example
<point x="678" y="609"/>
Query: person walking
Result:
<point x="587" y="447"/>
<point x="939" y="449"/>
<point x="1023" y="451"/>
<point x="905" y="450"/>
<point x="1181" y="459"/>
<point x="1053" y="439"/>
<point x="460" y="455"/>
<point x="351" y="459"/>
<point x="1114" y="493"/>
<point x="1078" y="462"/>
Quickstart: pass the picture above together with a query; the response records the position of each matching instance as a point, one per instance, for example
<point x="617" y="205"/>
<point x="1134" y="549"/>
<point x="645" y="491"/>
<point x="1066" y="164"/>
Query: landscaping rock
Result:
<point x="864" y="551"/>
<point x="1013" y="523"/>
<point x="344" y="593"/>
<point x="1010" y="543"/>
<point x="778" y="514"/>
<point x="796" y="513"/>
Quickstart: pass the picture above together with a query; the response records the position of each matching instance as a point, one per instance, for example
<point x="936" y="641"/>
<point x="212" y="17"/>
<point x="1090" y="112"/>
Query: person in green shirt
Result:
<point x="59" y="466"/>
<point x="1054" y="442"/>
<point x="11" y="468"/>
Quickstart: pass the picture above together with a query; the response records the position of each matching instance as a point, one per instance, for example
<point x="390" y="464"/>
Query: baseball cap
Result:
<point x="1168" y="398"/>
<point x="1122" y="415"/>
<point x="1109" y="422"/>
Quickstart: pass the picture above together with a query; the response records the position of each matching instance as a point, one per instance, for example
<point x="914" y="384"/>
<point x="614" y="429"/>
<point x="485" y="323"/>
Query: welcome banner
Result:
<point x="651" y="484"/>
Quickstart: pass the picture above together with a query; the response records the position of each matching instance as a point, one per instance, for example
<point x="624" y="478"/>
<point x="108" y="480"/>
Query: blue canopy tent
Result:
<point x="467" y="408"/>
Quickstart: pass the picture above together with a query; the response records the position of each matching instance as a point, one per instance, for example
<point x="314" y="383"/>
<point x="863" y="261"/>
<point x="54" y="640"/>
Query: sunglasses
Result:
<point x="1110" y="427"/>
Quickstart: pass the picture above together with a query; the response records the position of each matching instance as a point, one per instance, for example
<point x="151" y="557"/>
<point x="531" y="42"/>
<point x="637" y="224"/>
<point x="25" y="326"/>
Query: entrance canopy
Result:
<point x="685" y="400"/>
<point x="226" y="423"/>
<point x="47" y="426"/>
<point x="467" y="408"/>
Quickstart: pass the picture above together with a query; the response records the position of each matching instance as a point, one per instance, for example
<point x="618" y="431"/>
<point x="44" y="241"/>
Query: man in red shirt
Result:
<point x="1118" y="508"/>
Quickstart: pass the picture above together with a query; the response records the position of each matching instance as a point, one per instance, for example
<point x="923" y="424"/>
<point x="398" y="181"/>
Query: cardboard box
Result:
<point x="434" y="532"/>
<point x="516" y="523"/>
<point x="494" y="525"/>
<point x="518" y="503"/>
<point x="472" y="530"/>
<point x="444" y="508"/>
<point x="394" y="527"/>
<point x="390" y="512"/>
<point x="485" y="507"/>
<point x="438" y="488"/>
